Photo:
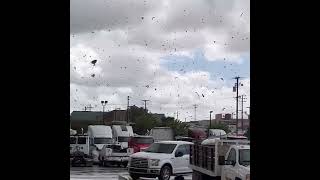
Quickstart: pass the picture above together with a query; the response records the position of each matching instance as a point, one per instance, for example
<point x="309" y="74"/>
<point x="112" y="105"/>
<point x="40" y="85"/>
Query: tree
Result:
<point x="143" y="120"/>
<point x="179" y="128"/>
<point x="220" y="126"/>
<point x="166" y="121"/>
<point x="143" y="123"/>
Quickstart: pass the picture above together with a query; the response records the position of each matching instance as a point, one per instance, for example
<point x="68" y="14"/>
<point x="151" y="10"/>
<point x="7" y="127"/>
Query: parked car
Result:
<point x="161" y="159"/>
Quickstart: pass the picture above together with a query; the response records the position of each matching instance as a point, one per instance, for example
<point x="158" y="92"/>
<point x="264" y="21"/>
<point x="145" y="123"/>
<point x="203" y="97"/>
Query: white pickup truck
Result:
<point x="221" y="159"/>
<point x="161" y="159"/>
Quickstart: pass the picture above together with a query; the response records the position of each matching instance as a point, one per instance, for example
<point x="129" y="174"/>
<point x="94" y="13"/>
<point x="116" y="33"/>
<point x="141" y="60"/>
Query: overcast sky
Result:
<point x="175" y="53"/>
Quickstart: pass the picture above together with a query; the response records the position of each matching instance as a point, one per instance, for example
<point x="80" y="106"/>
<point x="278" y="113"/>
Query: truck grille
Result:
<point x="139" y="163"/>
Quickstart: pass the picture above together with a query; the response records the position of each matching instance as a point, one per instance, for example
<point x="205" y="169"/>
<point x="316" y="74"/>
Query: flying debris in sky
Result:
<point x="94" y="62"/>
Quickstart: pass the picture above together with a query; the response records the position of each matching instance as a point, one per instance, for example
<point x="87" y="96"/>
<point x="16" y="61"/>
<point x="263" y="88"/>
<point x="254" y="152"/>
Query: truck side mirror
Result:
<point x="221" y="160"/>
<point x="233" y="163"/>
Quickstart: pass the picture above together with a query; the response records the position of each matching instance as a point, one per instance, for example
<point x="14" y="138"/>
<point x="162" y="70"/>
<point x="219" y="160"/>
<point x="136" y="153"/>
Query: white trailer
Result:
<point x="162" y="134"/>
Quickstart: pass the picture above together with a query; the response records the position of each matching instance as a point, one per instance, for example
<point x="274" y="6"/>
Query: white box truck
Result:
<point x="99" y="135"/>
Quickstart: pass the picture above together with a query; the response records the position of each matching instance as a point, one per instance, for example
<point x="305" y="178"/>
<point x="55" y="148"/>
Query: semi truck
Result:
<point x="122" y="134"/>
<point x="99" y="135"/>
<point x="220" y="159"/>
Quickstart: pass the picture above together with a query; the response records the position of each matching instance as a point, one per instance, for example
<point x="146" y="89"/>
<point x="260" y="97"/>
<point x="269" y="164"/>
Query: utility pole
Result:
<point x="242" y="100"/>
<point x="249" y="115"/>
<point x="177" y="115"/>
<point x="145" y="104"/>
<point x="210" y="118"/>
<point x="237" y="98"/>
<point x="128" y="110"/>
<point x="195" y="112"/>
<point x="88" y="107"/>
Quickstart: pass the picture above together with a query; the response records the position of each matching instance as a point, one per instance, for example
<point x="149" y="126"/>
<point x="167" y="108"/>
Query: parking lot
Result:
<point x="98" y="173"/>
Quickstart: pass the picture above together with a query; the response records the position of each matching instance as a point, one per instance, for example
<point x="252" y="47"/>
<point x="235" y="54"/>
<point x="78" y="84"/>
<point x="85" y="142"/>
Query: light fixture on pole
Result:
<point x="103" y="103"/>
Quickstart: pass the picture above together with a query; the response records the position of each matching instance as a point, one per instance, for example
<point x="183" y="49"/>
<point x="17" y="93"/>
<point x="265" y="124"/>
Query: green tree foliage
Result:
<point x="143" y="123"/>
<point x="179" y="128"/>
<point x="143" y="120"/>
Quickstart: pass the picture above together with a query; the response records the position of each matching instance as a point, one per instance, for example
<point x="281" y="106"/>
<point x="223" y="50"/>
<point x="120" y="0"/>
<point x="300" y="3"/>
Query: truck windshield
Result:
<point x="143" y="140"/>
<point x="161" y="148"/>
<point x="123" y="139"/>
<point x="73" y="140"/>
<point x="82" y="140"/>
<point x="102" y="140"/>
<point x="244" y="157"/>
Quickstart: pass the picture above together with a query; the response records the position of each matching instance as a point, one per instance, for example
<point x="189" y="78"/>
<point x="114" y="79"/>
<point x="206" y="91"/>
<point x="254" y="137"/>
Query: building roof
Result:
<point x="86" y="115"/>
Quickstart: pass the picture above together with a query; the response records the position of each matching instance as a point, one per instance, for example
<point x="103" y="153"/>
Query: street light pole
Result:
<point x="210" y="118"/>
<point x="103" y="103"/>
<point x="210" y="123"/>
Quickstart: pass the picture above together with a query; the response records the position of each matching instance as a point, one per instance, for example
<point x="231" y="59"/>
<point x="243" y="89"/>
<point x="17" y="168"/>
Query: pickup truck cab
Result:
<point x="237" y="163"/>
<point x="161" y="159"/>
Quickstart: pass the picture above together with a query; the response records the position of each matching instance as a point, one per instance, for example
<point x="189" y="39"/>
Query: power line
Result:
<point x="128" y="110"/>
<point x="242" y="101"/>
<point x="236" y="87"/>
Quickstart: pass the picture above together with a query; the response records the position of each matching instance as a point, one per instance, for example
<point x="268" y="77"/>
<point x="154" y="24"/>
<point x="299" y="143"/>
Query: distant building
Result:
<point x="229" y="122"/>
<point x="233" y="122"/>
<point x="225" y="116"/>
<point x="82" y="119"/>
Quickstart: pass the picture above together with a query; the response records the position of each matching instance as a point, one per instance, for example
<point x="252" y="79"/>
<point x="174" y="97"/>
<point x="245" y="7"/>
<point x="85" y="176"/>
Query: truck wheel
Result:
<point x="179" y="178"/>
<point x="196" y="175"/>
<point x="125" y="164"/>
<point x="134" y="176"/>
<point x="165" y="173"/>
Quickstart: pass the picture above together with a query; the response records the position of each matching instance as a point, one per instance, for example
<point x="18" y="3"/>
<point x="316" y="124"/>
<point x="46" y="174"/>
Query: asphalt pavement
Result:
<point x="97" y="173"/>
